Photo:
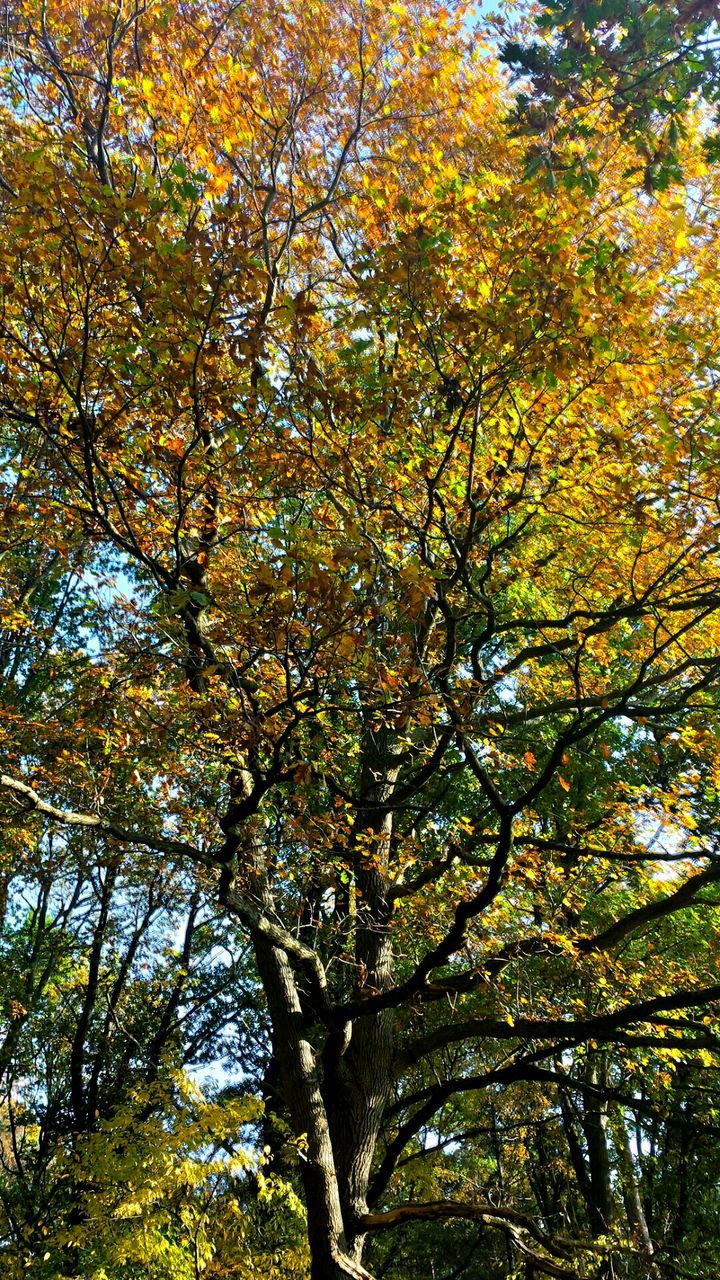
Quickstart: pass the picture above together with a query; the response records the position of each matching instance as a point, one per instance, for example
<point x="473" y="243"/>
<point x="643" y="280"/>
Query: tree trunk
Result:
<point x="296" y="1056"/>
<point x="359" y="1082"/>
<point x="331" y="1259"/>
<point x="594" y="1124"/>
<point x="339" y="1116"/>
<point x="595" y="1129"/>
<point x="577" y="1158"/>
<point x="633" y="1200"/>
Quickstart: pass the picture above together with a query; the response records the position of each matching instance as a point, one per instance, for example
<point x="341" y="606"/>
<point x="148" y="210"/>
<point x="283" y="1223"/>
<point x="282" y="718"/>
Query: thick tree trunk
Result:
<point x="358" y="1088"/>
<point x="331" y="1258"/>
<point x="339" y="1116"/>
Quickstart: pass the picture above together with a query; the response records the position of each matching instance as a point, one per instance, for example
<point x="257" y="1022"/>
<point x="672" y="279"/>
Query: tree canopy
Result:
<point x="360" y="641"/>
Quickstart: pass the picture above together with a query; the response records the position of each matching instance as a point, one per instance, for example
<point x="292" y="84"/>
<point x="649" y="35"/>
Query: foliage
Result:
<point x="158" y="1189"/>
<point x="360" y="639"/>
<point x="648" y="63"/>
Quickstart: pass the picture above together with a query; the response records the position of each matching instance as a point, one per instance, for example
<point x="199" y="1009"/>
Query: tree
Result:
<point x="387" y="478"/>
<point x="649" y="63"/>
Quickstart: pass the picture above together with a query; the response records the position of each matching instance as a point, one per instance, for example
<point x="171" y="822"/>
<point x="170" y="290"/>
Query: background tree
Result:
<point x="649" y="64"/>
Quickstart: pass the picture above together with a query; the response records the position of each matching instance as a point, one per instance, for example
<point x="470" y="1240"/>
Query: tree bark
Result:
<point x="359" y="1081"/>
<point x="634" y="1207"/>
<point x="595" y="1129"/>
<point x="331" y="1258"/>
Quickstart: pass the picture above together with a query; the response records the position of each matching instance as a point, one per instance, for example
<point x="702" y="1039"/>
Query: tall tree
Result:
<point x="391" y="478"/>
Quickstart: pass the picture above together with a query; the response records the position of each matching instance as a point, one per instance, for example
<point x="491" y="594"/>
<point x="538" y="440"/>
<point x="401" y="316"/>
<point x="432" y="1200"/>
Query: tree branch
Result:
<point x="570" y="1031"/>
<point x="517" y="1224"/>
<point x="246" y="911"/>
<point x="160" y="844"/>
